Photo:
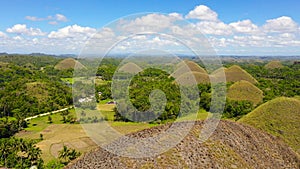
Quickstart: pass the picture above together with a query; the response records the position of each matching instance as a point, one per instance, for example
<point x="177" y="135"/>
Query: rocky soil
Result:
<point x="232" y="145"/>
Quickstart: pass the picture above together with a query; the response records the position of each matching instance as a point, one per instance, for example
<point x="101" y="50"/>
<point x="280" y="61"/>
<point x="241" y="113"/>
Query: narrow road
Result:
<point x="48" y="113"/>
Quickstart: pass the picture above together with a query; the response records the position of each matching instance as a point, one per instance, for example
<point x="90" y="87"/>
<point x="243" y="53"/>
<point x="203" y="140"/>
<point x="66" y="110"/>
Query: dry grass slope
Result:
<point x="234" y="74"/>
<point x="191" y="78"/>
<point x="232" y="145"/>
<point x="279" y="117"/>
<point x="69" y="63"/>
<point x="130" y="68"/>
<point x="38" y="90"/>
<point x="244" y="90"/>
<point x="275" y="64"/>
<point x="187" y="66"/>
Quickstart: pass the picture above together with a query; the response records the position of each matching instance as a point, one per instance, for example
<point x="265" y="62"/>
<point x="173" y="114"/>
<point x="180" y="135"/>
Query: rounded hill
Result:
<point x="275" y="64"/>
<point x="234" y="74"/>
<point x="68" y="63"/>
<point x="232" y="145"/>
<point x="244" y="90"/>
<point x="130" y="68"/>
<point x="279" y="117"/>
<point x="187" y="66"/>
<point x="190" y="78"/>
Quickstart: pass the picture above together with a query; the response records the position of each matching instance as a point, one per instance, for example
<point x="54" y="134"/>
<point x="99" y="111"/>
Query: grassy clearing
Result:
<point x="40" y="123"/>
<point x="57" y="134"/>
<point x="69" y="80"/>
<point x="202" y="115"/>
<point x="279" y="117"/>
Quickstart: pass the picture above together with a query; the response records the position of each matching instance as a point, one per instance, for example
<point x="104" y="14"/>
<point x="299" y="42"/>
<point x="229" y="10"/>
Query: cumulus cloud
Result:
<point x="153" y="22"/>
<point x="72" y="32"/>
<point x="202" y="12"/>
<point x="22" y="29"/>
<point x="281" y="24"/>
<point x="245" y="26"/>
<point x="240" y="36"/>
<point x="214" y="28"/>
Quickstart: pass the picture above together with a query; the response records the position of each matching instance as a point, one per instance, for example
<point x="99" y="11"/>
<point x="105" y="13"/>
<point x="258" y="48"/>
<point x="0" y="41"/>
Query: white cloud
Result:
<point x="214" y="28"/>
<point x="2" y="35"/>
<point x="73" y="31"/>
<point x="202" y="12"/>
<point x="33" y="18"/>
<point x="282" y="24"/>
<point x="17" y="38"/>
<point x="245" y="26"/>
<point x="22" y="29"/>
<point x="53" y="20"/>
<point x="60" y="17"/>
<point x="151" y="22"/>
<point x="279" y="34"/>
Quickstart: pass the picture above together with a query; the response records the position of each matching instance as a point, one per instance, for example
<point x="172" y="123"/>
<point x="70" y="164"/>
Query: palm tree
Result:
<point x="64" y="154"/>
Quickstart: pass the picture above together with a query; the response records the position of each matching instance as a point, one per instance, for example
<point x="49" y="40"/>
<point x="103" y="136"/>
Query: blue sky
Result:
<point x="43" y="17"/>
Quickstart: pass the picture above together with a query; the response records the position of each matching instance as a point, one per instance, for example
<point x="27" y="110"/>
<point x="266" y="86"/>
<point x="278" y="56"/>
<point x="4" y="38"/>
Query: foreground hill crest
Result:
<point x="231" y="146"/>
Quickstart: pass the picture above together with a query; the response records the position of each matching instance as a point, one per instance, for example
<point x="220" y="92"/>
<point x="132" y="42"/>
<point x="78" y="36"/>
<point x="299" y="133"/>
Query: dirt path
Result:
<point x="45" y="114"/>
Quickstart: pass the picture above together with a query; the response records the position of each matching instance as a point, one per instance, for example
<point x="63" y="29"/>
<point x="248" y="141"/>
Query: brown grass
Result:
<point x="234" y="74"/>
<point x="244" y="90"/>
<point x="279" y="117"/>
<point x="68" y="63"/>
<point x="130" y="68"/>
<point x="187" y="66"/>
<point x="190" y="78"/>
<point x="275" y="64"/>
<point x="37" y="89"/>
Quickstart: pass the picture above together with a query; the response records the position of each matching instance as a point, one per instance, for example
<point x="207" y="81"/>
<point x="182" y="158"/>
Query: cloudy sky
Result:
<point x="231" y="27"/>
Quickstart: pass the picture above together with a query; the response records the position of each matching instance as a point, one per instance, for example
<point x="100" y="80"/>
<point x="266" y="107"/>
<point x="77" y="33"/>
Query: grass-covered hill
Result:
<point x="68" y="63"/>
<point x="130" y="68"/>
<point x="187" y="66"/>
<point x="232" y="145"/>
<point x="233" y="74"/>
<point x="279" y="117"/>
<point x="275" y="64"/>
<point x="192" y="77"/>
<point x="244" y="90"/>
